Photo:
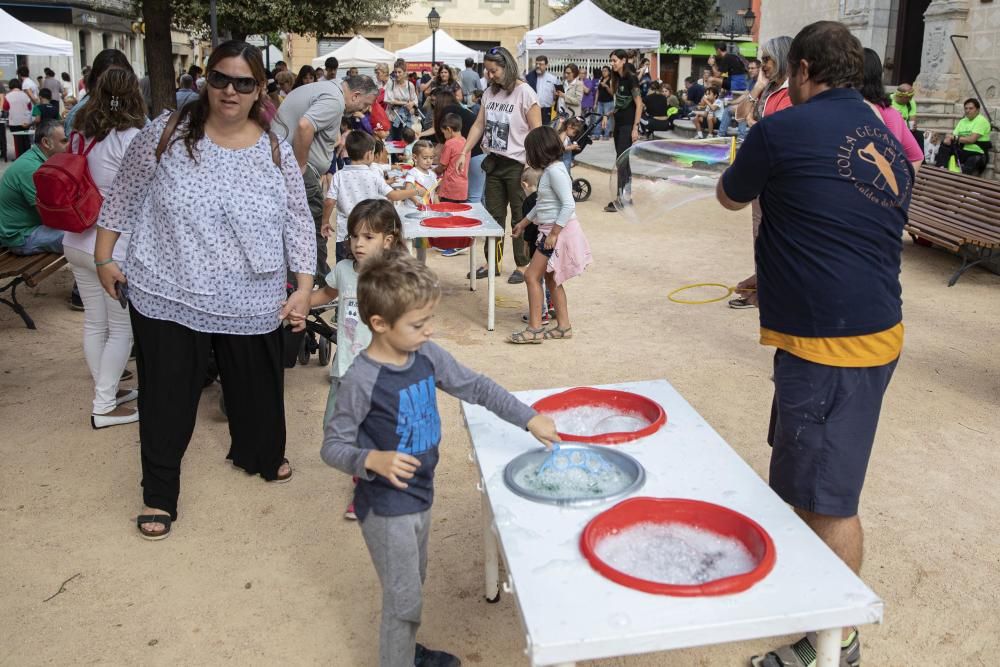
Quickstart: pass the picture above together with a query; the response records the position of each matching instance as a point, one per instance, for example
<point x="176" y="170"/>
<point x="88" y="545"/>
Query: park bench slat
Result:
<point x="28" y="269"/>
<point x="958" y="212"/>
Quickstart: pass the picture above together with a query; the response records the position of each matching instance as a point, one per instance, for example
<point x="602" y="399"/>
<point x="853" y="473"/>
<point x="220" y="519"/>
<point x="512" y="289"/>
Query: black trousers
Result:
<point x="623" y="141"/>
<point x="970" y="163"/>
<point x="171" y="361"/>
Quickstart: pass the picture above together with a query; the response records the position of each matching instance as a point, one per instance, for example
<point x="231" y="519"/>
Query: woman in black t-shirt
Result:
<point x="605" y="100"/>
<point x="627" y="113"/>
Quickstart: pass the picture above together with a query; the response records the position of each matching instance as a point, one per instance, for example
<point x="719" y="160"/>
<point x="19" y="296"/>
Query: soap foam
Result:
<point x="673" y="553"/>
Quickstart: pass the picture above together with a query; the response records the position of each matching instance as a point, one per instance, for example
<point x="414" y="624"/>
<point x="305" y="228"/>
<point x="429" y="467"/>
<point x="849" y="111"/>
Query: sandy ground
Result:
<point x="264" y="574"/>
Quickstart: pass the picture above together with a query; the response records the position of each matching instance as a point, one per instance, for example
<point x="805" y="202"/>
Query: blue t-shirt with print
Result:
<point x="834" y="187"/>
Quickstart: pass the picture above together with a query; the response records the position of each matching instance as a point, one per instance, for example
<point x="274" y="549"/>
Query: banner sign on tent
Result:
<point x="8" y="66"/>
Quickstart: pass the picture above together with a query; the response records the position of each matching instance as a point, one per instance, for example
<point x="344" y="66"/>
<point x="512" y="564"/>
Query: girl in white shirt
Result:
<point x="561" y="251"/>
<point x="422" y="175"/>
<point x="113" y="116"/>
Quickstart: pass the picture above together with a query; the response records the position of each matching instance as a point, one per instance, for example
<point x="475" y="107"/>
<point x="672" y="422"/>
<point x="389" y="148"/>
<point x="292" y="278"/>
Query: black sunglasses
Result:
<point x="241" y="84"/>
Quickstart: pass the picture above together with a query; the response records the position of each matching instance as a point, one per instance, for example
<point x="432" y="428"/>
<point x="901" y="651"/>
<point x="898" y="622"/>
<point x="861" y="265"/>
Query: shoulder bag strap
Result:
<point x="168" y="132"/>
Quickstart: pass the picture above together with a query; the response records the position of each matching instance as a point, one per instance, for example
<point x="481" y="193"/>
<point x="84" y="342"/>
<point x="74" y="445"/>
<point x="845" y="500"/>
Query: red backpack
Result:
<point x="66" y="195"/>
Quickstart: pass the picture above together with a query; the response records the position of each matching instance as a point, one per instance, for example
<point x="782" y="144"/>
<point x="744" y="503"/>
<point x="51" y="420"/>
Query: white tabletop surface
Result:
<point x="412" y="229"/>
<point x="570" y="612"/>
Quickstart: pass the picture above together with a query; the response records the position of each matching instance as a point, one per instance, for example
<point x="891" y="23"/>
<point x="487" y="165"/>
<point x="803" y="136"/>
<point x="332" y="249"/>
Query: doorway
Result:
<point x="909" y="41"/>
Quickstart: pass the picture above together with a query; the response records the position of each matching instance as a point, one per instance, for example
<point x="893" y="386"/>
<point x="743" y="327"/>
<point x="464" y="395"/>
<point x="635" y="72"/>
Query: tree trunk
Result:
<point x="159" y="55"/>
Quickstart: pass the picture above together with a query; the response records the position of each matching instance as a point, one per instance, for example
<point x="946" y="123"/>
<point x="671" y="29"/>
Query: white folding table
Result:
<point x="489" y="229"/>
<point x="570" y="612"/>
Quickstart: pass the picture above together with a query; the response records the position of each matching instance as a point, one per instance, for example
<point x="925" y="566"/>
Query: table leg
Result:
<point x="422" y="254"/>
<point x="411" y="246"/>
<point x="472" y="266"/>
<point x="491" y="285"/>
<point x="491" y="553"/>
<point x="827" y="647"/>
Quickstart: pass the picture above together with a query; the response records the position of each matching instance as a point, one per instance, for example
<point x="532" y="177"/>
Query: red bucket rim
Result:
<point x="449" y="207"/>
<point x="644" y="508"/>
<point x="452" y="222"/>
<point x="578" y="396"/>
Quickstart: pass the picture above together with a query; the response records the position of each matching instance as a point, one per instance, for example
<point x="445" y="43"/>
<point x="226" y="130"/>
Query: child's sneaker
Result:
<point x="349" y="513"/>
<point x="424" y="657"/>
<point x="452" y="252"/>
<point x="546" y="317"/>
<point x="700" y="135"/>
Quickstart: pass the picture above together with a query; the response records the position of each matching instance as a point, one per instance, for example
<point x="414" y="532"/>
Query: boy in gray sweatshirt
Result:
<point x="385" y="430"/>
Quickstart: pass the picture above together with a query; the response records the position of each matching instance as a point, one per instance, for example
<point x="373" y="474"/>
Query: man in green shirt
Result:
<point x="964" y="142"/>
<point x="902" y="101"/>
<point x="21" y="228"/>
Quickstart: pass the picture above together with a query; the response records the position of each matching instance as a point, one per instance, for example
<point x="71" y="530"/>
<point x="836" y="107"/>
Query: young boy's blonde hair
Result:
<point x="531" y="176"/>
<point x="394" y="284"/>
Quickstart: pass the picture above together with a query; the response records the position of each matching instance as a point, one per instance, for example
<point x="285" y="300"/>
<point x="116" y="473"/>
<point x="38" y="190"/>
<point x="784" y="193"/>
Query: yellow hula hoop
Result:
<point x="690" y="302"/>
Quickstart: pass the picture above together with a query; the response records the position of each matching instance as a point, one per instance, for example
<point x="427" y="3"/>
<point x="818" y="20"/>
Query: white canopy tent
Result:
<point x="358" y="52"/>
<point x="585" y="32"/>
<point x="446" y="49"/>
<point x="21" y="39"/>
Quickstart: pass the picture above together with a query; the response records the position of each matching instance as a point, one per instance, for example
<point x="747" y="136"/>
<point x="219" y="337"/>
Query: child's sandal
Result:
<point x="555" y="333"/>
<point x="528" y="336"/>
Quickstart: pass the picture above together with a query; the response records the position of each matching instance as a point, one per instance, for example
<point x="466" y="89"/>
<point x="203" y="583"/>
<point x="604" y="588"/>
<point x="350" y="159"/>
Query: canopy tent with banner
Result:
<point x="358" y="52"/>
<point x="583" y="34"/>
<point x="446" y="49"/>
<point x="21" y="39"/>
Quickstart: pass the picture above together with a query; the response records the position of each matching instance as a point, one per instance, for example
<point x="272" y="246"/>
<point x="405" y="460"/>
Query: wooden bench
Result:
<point x="958" y="212"/>
<point x="27" y="269"/>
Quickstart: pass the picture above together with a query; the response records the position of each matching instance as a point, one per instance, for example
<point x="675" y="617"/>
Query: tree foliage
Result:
<point x="680" y="22"/>
<point x="240" y="18"/>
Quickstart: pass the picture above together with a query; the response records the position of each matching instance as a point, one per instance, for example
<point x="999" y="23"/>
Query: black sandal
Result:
<point x="146" y="519"/>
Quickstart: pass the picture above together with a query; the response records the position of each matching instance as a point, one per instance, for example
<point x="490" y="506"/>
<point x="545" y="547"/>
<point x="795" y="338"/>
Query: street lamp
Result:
<point x="731" y="26"/>
<point x="433" y="22"/>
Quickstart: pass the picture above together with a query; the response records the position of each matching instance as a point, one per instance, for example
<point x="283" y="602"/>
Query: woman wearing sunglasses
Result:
<point x="508" y="112"/>
<point x="769" y="95"/>
<point x="218" y="215"/>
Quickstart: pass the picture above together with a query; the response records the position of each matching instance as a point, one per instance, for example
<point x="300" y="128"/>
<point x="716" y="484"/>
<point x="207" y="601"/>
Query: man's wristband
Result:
<point x="107" y="261"/>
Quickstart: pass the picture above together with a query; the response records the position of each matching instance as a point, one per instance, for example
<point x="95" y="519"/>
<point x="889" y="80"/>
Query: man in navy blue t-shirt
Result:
<point x="834" y="186"/>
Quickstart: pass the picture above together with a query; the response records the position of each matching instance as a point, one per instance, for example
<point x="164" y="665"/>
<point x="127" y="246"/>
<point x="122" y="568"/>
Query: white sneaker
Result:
<point x="103" y="421"/>
<point x="129" y="395"/>
<point x="700" y="135"/>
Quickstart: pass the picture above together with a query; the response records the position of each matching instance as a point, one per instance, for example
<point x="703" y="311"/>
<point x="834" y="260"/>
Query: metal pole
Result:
<point x="267" y="52"/>
<point x="214" y="21"/>
<point x="433" y="48"/>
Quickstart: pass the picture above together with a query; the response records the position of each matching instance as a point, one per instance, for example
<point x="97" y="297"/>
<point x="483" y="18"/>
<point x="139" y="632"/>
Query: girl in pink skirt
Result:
<point x="562" y="251"/>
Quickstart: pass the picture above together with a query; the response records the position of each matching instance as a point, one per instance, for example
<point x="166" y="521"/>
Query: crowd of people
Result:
<point x="217" y="218"/>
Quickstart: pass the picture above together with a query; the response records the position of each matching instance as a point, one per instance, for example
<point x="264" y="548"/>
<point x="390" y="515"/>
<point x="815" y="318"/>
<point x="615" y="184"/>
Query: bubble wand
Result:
<point x="696" y="302"/>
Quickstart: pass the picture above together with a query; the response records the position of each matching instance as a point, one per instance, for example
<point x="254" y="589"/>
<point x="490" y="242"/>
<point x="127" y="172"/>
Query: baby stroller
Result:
<point x="581" y="186"/>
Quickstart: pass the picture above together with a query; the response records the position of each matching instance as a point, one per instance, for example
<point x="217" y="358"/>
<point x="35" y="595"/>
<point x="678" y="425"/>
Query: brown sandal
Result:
<point x="555" y="333"/>
<point x="527" y="336"/>
<point x="144" y="520"/>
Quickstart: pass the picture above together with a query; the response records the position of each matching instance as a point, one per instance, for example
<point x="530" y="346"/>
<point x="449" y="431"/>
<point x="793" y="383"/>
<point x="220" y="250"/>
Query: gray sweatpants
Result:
<point x="398" y="547"/>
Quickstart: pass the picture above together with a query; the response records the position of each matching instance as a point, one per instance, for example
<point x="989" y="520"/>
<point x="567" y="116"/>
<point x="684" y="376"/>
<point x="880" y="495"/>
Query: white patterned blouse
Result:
<point x="212" y="238"/>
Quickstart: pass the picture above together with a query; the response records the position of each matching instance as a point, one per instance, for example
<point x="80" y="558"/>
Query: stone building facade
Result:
<point x="920" y="42"/>
<point x="95" y="25"/>
<point x="479" y="24"/>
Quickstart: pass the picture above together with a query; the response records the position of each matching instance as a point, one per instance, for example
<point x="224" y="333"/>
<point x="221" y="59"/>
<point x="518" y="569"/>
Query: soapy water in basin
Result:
<point x="597" y="420"/>
<point x="572" y="482"/>
<point x="673" y="553"/>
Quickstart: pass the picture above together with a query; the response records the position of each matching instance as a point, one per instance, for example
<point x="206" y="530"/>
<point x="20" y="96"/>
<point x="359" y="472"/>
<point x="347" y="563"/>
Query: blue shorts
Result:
<point x="823" y="422"/>
<point x="540" y="246"/>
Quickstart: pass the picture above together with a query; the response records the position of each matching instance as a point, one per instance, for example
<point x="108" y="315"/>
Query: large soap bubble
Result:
<point x="655" y="177"/>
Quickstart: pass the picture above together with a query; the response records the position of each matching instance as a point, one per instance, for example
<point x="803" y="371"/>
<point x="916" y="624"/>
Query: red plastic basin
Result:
<point x="695" y="513"/>
<point x="623" y="401"/>
<point x="452" y="222"/>
<point x="449" y="207"/>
